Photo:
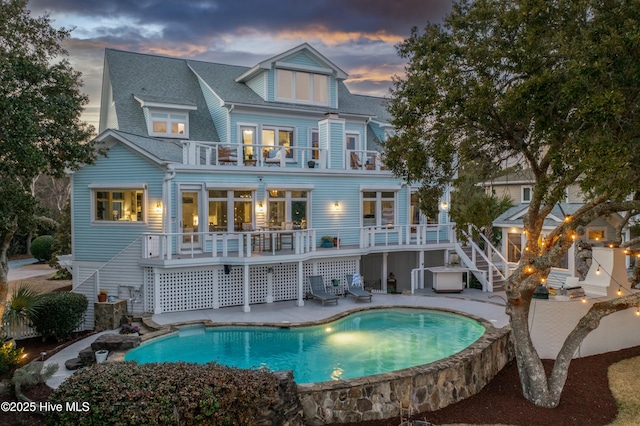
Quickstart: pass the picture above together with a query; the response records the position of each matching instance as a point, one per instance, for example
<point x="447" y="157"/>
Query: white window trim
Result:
<point x="293" y="99"/>
<point x="522" y="188"/>
<point x="288" y="200"/>
<point x="230" y="199"/>
<point x="115" y="187"/>
<point x="378" y="201"/>
<point x="168" y="134"/>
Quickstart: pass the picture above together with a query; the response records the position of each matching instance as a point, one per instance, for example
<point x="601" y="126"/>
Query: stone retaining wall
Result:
<point x="429" y="387"/>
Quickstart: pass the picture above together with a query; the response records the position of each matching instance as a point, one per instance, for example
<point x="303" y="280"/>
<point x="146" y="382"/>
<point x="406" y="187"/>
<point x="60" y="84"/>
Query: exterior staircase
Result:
<point x="487" y="265"/>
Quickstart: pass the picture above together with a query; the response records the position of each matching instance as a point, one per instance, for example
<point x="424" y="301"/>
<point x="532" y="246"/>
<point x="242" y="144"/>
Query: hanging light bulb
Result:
<point x="638" y="312"/>
<point x="598" y="271"/>
<point x="584" y="299"/>
<point x="619" y="291"/>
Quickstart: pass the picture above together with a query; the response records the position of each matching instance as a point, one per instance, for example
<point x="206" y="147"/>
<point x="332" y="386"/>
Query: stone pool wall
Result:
<point x="428" y="387"/>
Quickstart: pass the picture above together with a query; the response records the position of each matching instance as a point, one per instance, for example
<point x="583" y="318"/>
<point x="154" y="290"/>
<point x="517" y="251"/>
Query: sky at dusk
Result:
<point x="357" y="35"/>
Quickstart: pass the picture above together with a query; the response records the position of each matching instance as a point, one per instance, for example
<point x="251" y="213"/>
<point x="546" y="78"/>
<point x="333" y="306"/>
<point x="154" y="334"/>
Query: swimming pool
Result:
<point x="360" y="344"/>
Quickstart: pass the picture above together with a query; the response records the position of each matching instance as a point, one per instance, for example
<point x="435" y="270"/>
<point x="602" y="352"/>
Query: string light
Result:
<point x="619" y="291"/>
<point x="584" y="299"/>
<point x="638" y="312"/>
<point x="598" y="271"/>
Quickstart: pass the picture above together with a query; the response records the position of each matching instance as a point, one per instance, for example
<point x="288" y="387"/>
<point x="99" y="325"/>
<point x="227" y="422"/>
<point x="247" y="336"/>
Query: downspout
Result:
<point x="231" y="108"/>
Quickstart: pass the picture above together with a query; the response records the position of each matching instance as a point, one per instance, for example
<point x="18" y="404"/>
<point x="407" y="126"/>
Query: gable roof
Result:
<point x="305" y="47"/>
<point x="158" y="150"/>
<point x="514" y="216"/>
<point x="138" y="78"/>
<point x="156" y="79"/>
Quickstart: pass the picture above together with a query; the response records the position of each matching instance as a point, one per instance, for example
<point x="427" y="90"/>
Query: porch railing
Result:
<point x="252" y="155"/>
<point x="166" y="246"/>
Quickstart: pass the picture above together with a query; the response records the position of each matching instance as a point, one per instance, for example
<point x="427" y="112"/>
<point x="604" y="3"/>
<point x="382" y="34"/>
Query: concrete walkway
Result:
<point x="489" y="306"/>
<point x="27" y="268"/>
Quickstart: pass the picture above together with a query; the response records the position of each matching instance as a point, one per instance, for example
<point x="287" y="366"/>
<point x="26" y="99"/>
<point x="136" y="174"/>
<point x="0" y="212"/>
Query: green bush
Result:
<point x="42" y="248"/>
<point x="10" y="356"/>
<point x="166" y="393"/>
<point x="59" y="314"/>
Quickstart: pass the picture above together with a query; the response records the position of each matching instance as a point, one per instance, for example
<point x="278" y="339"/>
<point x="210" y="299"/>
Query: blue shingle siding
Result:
<point x="258" y="85"/>
<point x="271" y="85"/>
<point x="219" y="114"/>
<point x="303" y="58"/>
<point x="336" y="132"/>
<point x="102" y="241"/>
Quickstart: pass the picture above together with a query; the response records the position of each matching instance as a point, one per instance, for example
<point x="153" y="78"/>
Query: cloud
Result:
<point x="357" y="35"/>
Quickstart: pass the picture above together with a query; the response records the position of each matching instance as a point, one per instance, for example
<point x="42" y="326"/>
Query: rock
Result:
<point x="116" y="342"/>
<point x="74" y="363"/>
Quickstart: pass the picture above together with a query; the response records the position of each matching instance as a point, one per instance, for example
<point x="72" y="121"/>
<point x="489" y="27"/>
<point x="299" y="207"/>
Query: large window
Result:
<point x="119" y="205"/>
<point x="302" y="86"/>
<point x="273" y="137"/>
<point x="229" y="210"/>
<point x="378" y="208"/>
<point x="288" y="206"/>
<point x="417" y="217"/>
<point x="169" y="124"/>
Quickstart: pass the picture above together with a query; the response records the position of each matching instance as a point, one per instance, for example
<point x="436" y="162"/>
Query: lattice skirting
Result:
<point x="215" y="287"/>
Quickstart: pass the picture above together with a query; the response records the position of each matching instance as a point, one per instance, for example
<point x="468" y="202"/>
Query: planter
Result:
<point x="311" y="164"/>
<point x="102" y="298"/>
<point x="101" y="355"/>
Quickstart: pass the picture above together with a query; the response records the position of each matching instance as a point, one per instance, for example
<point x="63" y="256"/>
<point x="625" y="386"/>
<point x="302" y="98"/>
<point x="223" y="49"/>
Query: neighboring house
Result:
<point x="228" y="186"/>
<point x="519" y="186"/>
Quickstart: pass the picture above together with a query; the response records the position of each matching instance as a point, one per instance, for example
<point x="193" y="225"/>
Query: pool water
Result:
<point x="360" y="344"/>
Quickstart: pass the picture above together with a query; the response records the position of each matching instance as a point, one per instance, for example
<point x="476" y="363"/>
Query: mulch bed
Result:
<point x="586" y="398"/>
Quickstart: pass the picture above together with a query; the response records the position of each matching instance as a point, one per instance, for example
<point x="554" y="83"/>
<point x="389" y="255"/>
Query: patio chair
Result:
<point x="318" y="290"/>
<point x="227" y="155"/>
<point x="354" y="287"/>
<point x="286" y="238"/>
<point x="355" y="161"/>
<point x="274" y="157"/>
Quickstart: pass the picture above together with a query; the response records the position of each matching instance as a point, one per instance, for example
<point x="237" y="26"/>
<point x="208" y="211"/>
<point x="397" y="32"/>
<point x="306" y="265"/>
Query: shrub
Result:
<point x="166" y="393"/>
<point x="24" y="304"/>
<point x="59" y="314"/>
<point x="32" y="374"/>
<point x="10" y="356"/>
<point x="41" y="248"/>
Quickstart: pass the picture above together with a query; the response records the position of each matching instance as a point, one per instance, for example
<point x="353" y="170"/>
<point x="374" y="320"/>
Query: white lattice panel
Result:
<point x="148" y="290"/>
<point x="230" y="287"/>
<point x="285" y="281"/>
<point x="257" y="284"/>
<point x="186" y="291"/>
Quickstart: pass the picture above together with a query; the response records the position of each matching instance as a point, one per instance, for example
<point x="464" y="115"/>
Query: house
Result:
<point x="228" y="186"/>
<point x="518" y="185"/>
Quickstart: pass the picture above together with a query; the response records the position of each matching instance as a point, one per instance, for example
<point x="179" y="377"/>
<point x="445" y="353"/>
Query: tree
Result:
<point x="40" y="127"/>
<point x="553" y="84"/>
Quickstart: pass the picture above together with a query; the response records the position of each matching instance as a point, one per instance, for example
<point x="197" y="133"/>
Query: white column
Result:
<point x="157" y="309"/>
<point x="245" y="281"/>
<point x="421" y="266"/>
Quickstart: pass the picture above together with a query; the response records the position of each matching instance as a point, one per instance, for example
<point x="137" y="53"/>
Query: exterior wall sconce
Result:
<point x="260" y="207"/>
<point x="444" y="206"/>
<point x="336" y="206"/>
<point x="158" y="207"/>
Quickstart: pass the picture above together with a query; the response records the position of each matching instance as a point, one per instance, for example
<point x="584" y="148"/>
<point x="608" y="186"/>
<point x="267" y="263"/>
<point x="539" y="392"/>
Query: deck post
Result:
<point x="300" y="301"/>
<point x="245" y="285"/>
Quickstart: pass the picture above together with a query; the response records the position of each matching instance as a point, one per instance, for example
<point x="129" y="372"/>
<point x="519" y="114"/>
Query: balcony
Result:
<point x="200" y="153"/>
<point x="268" y="245"/>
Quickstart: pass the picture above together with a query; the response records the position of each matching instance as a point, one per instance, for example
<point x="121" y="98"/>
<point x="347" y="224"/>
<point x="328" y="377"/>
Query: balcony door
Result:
<point x="190" y="222"/>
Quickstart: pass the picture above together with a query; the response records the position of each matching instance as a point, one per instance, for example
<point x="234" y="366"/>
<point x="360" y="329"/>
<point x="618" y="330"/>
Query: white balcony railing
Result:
<point x="167" y="246"/>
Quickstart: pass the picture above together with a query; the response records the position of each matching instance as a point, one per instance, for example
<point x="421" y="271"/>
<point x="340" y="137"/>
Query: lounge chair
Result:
<point x="354" y="287"/>
<point x="318" y="290"/>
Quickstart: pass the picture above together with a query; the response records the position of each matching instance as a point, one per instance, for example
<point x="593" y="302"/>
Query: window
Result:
<point x="121" y="205"/>
<point x="274" y="137"/>
<point x="526" y="194"/>
<point x="223" y="205"/>
<point x="378" y="208"/>
<point x="169" y="124"/>
<point x="288" y="206"/>
<point x="417" y="217"/>
<point x="315" y="143"/>
<point x="351" y="141"/>
<point x="248" y="134"/>
<point x="302" y="86"/>
<point x="596" y="234"/>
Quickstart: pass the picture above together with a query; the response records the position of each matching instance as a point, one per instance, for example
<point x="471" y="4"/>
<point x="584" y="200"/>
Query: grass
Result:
<point x="624" y="377"/>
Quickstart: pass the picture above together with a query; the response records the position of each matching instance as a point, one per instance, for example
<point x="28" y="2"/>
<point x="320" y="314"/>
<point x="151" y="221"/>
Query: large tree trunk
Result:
<point x="5" y="241"/>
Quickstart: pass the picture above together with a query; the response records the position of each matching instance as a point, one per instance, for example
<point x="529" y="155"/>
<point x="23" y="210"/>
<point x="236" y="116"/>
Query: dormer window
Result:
<point x="169" y="124"/>
<point x="166" y="118"/>
<point x="302" y="87"/>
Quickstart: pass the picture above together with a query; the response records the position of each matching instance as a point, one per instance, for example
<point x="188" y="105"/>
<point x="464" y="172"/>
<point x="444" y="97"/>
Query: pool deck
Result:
<point x="490" y="306"/>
